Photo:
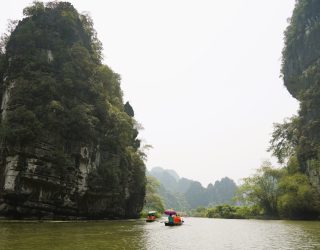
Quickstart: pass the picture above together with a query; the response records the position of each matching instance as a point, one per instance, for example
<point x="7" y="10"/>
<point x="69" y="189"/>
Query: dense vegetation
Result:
<point x="227" y="211"/>
<point x="270" y="193"/>
<point x="153" y="200"/>
<point x="62" y="94"/>
<point x="279" y="193"/>
<point x="294" y="190"/>
<point x="299" y="137"/>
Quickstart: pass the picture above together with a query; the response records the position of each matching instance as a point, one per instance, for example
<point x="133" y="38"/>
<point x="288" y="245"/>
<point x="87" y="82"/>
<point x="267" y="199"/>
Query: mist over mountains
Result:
<point x="185" y="194"/>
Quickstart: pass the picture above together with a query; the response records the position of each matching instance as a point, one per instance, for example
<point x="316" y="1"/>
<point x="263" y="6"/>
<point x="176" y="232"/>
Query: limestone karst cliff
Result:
<point x="300" y="69"/>
<point x="69" y="149"/>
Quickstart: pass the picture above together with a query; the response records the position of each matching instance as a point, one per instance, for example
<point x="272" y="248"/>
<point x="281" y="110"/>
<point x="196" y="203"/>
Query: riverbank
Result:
<point x="241" y="212"/>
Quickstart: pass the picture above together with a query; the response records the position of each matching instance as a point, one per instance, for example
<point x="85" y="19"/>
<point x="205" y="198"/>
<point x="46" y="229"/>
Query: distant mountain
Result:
<point x="183" y="185"/>
<point x="183" y="194"/>
<point x="168" y="178"/>
<point x="173" y="174"/>
<point x="221" y="192"/>
<point x="196" y="195"/>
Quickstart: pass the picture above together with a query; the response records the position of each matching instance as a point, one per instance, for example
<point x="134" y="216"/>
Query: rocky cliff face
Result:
<point x="68" y="147"/>
<point x="301" y="74"/>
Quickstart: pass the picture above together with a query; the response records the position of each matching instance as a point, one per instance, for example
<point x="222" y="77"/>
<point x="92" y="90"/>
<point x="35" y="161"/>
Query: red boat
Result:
<point x="151" y="216"/>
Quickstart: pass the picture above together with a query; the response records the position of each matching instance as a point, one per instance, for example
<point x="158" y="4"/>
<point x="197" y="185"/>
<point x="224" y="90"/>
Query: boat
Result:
<point x="151" y="216"/>
<point x="176" y="221"/>
<point x="150" y="219"/>
<point x="167" y="223"/>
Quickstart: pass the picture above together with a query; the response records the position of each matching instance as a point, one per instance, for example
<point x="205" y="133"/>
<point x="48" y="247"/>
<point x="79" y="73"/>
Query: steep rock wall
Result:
<point x="301" y="75"/>
<point x="68" y="148"/>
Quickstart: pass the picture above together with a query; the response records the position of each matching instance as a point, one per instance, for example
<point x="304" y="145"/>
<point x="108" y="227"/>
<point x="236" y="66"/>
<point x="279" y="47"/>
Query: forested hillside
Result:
<point x="300" y="136"/>
<point x="294" y="190"/>
<point x="69" y="144"/>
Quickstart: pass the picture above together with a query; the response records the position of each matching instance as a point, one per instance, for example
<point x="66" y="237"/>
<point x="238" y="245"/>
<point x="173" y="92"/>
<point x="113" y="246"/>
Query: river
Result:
<point x="195" y="234"/>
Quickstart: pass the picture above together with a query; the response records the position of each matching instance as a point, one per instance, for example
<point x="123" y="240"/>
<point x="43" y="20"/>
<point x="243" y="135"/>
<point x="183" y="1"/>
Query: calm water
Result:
<point x="196" y="233"/>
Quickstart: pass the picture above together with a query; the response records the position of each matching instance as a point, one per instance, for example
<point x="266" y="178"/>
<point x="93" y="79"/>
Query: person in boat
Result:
<point x="151" y="216"/>
<point x="170" y="219"/>
<point x="177" y="219"/>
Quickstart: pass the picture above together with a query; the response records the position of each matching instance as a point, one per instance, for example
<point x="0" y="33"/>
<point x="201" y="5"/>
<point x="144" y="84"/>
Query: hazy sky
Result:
<point x="202" y="77"/>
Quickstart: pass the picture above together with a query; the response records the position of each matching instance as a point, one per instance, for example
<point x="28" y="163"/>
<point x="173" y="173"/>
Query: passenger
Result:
<point x="151" y="217"/>
<point x="170" y="219"/>
<point x="177" y="219"/>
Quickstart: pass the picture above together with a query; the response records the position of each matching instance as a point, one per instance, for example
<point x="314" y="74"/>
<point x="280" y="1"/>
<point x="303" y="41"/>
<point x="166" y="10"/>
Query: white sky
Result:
<point x="202" y="77"/>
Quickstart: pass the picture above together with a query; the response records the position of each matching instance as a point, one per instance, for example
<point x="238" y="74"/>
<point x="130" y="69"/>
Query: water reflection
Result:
<point x="196" y="233"/>
<point x="79" y="235"/>
<point x="200" y="233"/>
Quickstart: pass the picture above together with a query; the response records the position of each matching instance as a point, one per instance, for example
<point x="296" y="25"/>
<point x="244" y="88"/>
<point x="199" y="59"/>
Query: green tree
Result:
<point x="298" y="199"/>
<point x="285" y="138"/>
<point x="262" y="189"/>
<point x="153" y="200"/>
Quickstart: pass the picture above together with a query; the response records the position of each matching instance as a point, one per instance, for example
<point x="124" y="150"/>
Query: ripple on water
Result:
<point x="196" y="233"/>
